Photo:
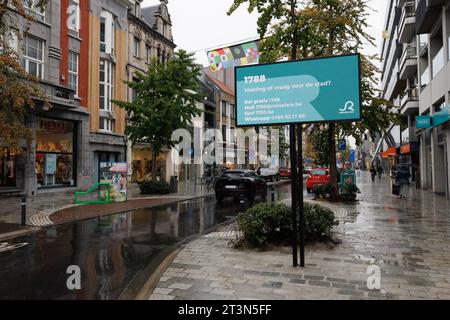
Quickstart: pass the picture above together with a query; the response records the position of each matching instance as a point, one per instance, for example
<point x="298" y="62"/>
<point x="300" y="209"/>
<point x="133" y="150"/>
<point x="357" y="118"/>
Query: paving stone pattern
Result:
<point x="409" y="240"/>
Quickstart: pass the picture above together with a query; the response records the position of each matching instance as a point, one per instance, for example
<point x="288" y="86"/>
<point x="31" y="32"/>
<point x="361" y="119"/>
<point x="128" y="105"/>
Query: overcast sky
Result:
<point x="203" y="24"/>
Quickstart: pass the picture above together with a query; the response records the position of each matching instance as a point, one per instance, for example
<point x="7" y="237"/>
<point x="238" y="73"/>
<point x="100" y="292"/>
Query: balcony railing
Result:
<point x="409" y="52"/>
<point x="409" y="10"/>
<point x="412" y="94"/>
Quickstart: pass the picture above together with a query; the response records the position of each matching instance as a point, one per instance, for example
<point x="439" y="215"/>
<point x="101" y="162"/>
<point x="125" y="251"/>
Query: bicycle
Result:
<point x="210" y="182"/>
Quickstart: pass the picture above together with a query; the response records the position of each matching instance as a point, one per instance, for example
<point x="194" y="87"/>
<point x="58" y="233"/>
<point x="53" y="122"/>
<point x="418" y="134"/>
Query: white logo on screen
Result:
<point x="348" y="108"/>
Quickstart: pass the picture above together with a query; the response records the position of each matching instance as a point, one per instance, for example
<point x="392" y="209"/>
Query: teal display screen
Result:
<point x="295" y="92"/>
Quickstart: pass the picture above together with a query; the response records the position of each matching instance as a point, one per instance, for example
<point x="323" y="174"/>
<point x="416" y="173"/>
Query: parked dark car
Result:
<point x="237" y="183"/>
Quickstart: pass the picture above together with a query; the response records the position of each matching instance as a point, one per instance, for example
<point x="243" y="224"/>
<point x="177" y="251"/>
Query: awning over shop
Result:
<point x="406" y="149"/>
<point x="409" y="148"/>
<point x="390" y="152"/>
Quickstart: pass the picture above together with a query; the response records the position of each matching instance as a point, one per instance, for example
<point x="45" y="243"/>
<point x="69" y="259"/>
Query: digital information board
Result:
<point x="295" y="92"/>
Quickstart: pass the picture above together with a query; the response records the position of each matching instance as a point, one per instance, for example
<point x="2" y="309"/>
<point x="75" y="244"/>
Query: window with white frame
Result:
<point x="107" y="33"/>
<point x="73" y="71"/>
<point x="33" y="56"/>
<point x="31" y="6"/>
<point x="106" y="85"/>
<point x="137" y="47"/>
<point x="148" y="54"/>
<point x="106" y="124"/>
<point x="74" y="15"/>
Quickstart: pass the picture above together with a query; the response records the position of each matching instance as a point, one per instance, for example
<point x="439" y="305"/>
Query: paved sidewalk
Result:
<point x="408" y="240"/>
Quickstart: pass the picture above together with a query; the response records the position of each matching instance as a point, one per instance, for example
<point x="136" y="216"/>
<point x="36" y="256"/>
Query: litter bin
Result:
<point x="174" y="184"/>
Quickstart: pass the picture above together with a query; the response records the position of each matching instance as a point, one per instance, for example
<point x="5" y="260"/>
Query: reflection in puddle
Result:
<point x="116" y="253"/>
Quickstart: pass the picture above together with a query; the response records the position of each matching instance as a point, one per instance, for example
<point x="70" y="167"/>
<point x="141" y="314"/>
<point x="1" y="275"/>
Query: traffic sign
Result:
<point x="342" y="146"/>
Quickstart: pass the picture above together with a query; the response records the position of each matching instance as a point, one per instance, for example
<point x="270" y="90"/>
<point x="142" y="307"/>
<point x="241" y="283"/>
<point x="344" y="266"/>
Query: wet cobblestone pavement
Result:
<point x="408" y="240"/>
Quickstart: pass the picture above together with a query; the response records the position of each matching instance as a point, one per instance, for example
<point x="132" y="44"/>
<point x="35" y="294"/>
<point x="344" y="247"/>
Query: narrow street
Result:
<point x="116" y="253"/>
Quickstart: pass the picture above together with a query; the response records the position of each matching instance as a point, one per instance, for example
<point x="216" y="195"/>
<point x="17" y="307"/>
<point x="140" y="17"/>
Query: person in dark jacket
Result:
<point x="373" y="172"/>
<point x="402" y="177"/>
<point x="379" y="171"/>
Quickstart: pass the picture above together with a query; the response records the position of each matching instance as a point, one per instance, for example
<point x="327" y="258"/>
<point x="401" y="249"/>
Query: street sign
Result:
<point x="423" y="122"/>
<point x="296" y="92"/>
<point x="352" y="156"/>
<point x="342" y="146"/>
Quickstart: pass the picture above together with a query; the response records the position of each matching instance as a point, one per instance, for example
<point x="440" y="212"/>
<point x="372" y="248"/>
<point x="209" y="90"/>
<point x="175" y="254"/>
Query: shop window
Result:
<point x="7" y="168"/>
<point x="55" y="153"/>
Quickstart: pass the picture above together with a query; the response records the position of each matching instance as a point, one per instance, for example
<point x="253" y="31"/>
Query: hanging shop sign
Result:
<point x="441" y="117"/>
<point x="296" y="92"/>
<point x="423" y="122"/>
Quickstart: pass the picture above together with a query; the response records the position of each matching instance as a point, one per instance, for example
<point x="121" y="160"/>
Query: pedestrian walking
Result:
<point x="402" y="177"/>
<point x="373" y="172"/>
<point x="379" y="171"/>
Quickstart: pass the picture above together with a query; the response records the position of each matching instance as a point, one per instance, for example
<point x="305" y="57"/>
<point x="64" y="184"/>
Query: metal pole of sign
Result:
<point x="294" y="191"/>
<point x="300" y="197"/>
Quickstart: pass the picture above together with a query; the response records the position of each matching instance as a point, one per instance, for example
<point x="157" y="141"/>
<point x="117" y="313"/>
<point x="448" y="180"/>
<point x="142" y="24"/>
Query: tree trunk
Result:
<point x="332" y="156"/>
<point x="154" y="165"/>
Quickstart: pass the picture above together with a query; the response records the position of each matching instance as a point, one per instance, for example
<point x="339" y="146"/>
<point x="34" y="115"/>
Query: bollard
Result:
<point x="273" y="194"/>
<point x="24" y="210"/>
<point x="242" y="202"/>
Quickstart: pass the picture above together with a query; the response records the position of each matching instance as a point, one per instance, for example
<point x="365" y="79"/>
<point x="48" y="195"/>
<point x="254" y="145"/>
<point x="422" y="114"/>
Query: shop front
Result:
<point x="55" y="153"/>
<point x="409" y="155"/>
<point x="8" y="165"/>
<point x="141" y="164"/>
<point x="390" y="159"/>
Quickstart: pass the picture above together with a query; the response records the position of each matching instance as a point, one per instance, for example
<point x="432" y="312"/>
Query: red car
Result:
<point x="285" y="173"/>
<point x="317" y="177"/>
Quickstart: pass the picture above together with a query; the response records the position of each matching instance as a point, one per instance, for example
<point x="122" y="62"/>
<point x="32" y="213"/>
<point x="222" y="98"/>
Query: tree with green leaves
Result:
<point x="19" y="92"/>
<point x="166" y="100"/>
<point x="300" y="29"/>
